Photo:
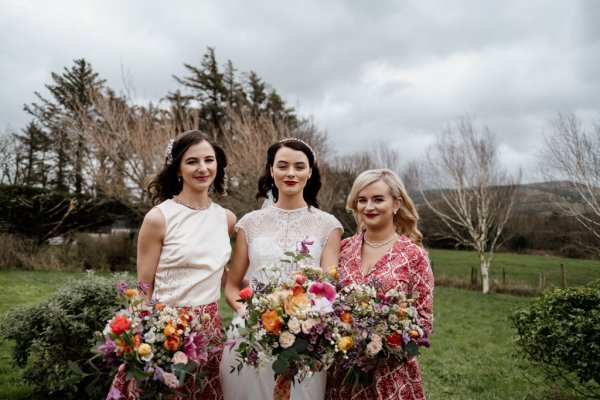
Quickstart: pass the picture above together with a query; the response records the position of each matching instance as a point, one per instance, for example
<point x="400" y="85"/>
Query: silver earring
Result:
<point x="395" y="211"/>
<point x="179" y="179"/>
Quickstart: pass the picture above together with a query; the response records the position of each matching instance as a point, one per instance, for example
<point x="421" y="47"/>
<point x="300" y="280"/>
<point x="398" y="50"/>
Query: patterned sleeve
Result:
<point x="423" y="284"/>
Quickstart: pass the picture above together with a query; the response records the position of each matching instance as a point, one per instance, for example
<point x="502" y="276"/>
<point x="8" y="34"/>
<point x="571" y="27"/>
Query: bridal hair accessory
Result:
<point x="303" y="142"/>
<point x="169" y="151"/>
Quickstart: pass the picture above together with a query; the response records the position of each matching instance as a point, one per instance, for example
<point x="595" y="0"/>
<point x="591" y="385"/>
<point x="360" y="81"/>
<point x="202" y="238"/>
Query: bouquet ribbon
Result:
<point x="283" y="386"/>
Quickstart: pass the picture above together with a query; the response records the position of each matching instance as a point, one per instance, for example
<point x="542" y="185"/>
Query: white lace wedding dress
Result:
<point x="269" y="233"/>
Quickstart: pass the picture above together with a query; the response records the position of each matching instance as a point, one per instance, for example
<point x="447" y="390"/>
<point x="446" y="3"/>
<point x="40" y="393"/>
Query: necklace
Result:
<point x="380" y="244"/>
<point x="183" y="203"/>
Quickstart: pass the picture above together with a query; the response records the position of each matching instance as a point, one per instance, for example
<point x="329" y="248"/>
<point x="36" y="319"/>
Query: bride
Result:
<point x="291" y="177"/>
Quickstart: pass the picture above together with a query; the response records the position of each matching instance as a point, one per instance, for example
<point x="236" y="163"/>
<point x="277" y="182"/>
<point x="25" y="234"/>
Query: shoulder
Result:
<point x="252" y="219"/>
<point x="413" y="251"/>
<point x="231" y="219"/>
<point x="155" y="217"/>
<point x="325" y="217"/>
<point x="349" y="242"/>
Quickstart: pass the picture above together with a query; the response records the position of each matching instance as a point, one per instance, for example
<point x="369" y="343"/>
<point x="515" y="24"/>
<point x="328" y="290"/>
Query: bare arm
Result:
<point x="331" y="251"/>
<point x="231" y="220"/>
<point x="237" y="271"/>
<point x="150" y="242"/>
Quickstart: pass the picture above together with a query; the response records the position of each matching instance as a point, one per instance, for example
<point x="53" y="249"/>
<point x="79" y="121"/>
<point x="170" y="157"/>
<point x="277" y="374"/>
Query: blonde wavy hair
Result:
<point x="405" y="219"/>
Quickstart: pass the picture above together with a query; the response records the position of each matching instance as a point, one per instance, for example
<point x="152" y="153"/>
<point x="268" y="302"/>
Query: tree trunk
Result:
<point x="485" y="273"/>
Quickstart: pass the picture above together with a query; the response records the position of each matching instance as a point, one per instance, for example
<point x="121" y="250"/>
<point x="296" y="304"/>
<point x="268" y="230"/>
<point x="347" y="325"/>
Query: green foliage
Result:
<point x="43" y="213"/>
<point x="560" y="334"/>
<point x="52" y="339"/>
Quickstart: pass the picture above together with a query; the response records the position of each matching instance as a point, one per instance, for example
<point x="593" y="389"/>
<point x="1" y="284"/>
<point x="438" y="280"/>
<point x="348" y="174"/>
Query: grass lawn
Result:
<point x="471" y="355"/>
<point x="519" y="268"/>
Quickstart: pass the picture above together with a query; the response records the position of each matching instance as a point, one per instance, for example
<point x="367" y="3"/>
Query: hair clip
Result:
<point x="169" y="151"/>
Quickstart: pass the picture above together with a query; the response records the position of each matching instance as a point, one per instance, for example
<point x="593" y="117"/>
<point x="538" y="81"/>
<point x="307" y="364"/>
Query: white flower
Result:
<point x="322" y="306"/>
<point x="286" y="339"/>
<point x="308" y="325"/>
<point x="374" y="347"/>
<point x="376" y="337"/>
<point x="170" y="380"/>
<point x="149" y="337"/>
<point x="179" y="358"/>
<point x="274" y="300"/>
<point x="294" y="325"/>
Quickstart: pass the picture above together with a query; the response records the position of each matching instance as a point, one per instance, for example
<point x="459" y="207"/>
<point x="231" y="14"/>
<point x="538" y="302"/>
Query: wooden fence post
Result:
<point x="541" y="282"/>
<point x="503" y="277"/>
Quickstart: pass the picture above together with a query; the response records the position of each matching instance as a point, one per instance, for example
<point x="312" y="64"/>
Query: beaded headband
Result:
<point x="169" y="151"/>
<point x="303" y="142"/>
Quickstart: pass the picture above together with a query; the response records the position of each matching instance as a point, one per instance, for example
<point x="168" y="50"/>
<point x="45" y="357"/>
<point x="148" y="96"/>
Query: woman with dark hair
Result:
<point x="183" y="244"/>
<point x="291" y="176"/>
<point x="387" y="250"/>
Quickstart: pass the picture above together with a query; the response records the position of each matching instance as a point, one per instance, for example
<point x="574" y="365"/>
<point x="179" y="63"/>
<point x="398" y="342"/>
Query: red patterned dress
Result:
<point x="406" y="268"/>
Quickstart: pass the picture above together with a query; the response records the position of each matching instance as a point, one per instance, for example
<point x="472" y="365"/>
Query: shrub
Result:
<point x="105" y="253"/>
<point x="52" y="340"/>
<point x="572" y="251"/>
<point x="559" y="333"/>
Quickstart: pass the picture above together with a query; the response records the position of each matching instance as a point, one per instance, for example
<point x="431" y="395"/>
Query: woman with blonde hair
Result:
<point x="386" y="250"/>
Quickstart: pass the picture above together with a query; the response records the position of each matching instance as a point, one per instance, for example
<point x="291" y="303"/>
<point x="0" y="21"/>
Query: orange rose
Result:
<point x="345" y="343"/>
<point x="294" y="304"/>
<point x="129" y="292"/>
<point x="136" y="339"/>
<point x="172" y="343"/>
<point x="346" y="317"/>
<point x="413" y="334"/>
<point x="401" y="312"/>
<point x="159" y="306"/>
<point x="170" y="330"/>
<point x="271" y="322"/>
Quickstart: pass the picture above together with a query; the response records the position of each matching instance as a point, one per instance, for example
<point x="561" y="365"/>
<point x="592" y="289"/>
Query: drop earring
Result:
<point x="179" y="179"/>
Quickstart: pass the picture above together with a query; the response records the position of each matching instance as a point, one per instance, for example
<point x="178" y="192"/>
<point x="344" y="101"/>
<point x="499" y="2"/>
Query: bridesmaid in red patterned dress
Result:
<point x="183" y="246"/>
<point x="387" y="250"/>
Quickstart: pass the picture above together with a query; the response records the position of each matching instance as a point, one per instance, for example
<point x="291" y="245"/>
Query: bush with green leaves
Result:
<point x="52" y="339"/>
<point x="560" y="333"/>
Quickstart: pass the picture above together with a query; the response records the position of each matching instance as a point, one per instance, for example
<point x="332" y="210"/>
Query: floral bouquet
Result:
<point x="158" y="345"/>
<point x="290" y="321"/>
<point x="385" y="326"/>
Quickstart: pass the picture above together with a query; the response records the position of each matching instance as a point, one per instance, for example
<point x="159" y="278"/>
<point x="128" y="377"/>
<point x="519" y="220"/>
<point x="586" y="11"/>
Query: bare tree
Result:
<point x="572" y="154"/>
<point x="9" y="158"/>
<point x="473" y="195"/>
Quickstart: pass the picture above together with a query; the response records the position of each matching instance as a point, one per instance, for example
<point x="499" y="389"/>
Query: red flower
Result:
<point x="119" y="325"/>
<point x="394" y="339"/>
<point x="246" y="293"/>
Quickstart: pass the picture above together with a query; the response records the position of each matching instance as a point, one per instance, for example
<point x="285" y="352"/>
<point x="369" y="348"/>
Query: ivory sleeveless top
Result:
<point x="195" y="249"/>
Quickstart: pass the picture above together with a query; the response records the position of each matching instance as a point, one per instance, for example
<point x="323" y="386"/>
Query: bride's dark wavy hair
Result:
<point x="166" y="183"/>
<point x="266" y="183"/>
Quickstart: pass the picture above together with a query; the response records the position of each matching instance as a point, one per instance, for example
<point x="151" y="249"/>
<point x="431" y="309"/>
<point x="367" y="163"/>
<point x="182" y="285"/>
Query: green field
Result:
<point x="472" y="354"/>
<point x="518" y="268"/>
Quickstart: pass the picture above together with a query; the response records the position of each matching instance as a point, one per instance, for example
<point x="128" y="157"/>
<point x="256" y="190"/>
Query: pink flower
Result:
<point x="322" y="289"/>
<point x="304" y="245"/>
<point x="195" y="347"/>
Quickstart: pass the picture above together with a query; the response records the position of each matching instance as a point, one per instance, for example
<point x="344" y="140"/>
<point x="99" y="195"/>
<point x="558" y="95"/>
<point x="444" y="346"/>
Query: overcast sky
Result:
<point x="397" y="71"/>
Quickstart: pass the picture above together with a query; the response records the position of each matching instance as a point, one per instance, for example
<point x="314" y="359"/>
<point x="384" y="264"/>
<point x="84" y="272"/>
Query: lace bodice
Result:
<point x="272" y="231"/>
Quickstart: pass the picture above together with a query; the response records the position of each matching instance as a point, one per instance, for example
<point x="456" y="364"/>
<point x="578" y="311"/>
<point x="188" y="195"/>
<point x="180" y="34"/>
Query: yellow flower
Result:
<point x="345" y="343"/>
<point x="333" y="271"/>
<point x="144" y="349"/>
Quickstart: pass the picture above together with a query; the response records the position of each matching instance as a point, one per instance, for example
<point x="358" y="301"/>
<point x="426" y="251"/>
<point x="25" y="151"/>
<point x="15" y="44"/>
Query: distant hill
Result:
<point x="540" y="197"/>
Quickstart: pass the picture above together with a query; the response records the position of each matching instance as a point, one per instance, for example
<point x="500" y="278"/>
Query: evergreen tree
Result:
<point x="34" y="145"/>
<point x="257" y="95"/>
<point x="61" y="115"/>
<point x="209" y="90"/>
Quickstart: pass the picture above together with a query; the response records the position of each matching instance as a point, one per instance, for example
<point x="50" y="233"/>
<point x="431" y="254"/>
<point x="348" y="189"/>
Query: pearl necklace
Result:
<point x="179" y="201"/>
<point x="380" y="244"/>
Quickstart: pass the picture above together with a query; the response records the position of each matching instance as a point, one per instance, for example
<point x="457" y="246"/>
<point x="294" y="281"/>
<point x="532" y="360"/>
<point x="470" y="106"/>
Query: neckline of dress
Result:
<point x="289" y="211"/>
<point x="385" y="256"/>
<point x="185" y="207"/>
